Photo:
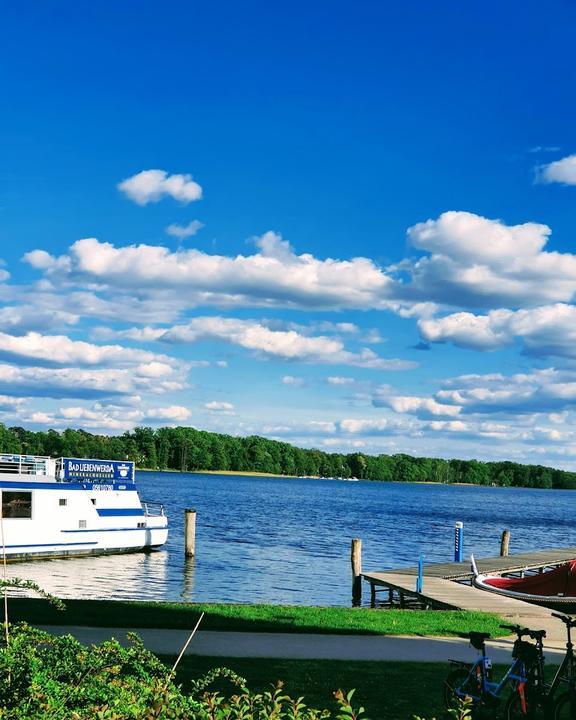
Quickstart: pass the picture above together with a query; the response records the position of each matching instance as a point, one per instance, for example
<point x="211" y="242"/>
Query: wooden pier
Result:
<point x="447" y="585"/>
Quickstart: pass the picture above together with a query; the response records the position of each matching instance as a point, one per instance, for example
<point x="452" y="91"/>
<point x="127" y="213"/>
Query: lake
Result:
<point x="287" y="541"/>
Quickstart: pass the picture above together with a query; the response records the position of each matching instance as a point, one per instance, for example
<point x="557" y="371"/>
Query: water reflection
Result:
<point x="108" y="577"/>
<point x="188" y="573"/>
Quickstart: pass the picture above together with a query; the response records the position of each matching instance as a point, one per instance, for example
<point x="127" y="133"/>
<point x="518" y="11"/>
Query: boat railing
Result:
<point x="26" y="464"/>
<point x="153" y="509"/>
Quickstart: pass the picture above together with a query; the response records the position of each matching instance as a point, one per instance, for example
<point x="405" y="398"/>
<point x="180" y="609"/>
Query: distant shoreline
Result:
<point x="220" y="472"/>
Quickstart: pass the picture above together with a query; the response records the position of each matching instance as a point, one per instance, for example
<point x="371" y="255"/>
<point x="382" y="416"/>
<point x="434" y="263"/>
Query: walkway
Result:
<point x="305" y="646"/>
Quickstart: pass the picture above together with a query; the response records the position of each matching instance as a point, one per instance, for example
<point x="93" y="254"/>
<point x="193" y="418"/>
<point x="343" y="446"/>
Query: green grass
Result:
<point x="388" y="691"/>
<point x="254" y="618"/>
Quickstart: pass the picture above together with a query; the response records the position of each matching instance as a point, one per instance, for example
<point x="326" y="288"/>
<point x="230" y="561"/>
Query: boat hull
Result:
<point x="43" y="518"/>
<point x="536" y="589"/>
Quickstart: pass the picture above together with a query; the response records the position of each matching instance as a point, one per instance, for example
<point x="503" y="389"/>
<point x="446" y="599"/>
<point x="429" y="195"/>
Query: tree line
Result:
<point x="188" y="449"/>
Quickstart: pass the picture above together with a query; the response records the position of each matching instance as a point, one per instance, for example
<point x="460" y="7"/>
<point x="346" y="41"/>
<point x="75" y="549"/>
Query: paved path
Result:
<point x="305" y="646"/>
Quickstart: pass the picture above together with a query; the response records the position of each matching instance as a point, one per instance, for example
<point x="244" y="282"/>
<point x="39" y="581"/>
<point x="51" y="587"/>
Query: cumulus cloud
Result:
<point x="549" y="390"/>
<point x="23" y="318"/>
<point x="546" y="330"/>
<point x="560" y="171"/>
<point x="108" y="418"/>
<point x="273" y="277"/>
<point x="82" y="383"/>
<point x="281" y="344"/>
<point x="340" y="380"/>
<point x="478" y="262"/>
<point x="222" y="408"/>
<point x="153" y="185"/>
<point x="34" y="348"/>
<point x="469" y="261"/>
<point x="184" y="231"/>
<point x="415" y="405"/>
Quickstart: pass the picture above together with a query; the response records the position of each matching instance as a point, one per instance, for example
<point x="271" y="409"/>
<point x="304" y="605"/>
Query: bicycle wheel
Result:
<point x="513" y="709"/>
<point x="458" y="680"/>
<point x="565" y="707"/>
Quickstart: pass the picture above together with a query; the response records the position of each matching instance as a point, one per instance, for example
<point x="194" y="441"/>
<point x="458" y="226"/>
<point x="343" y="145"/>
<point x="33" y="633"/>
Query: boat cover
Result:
<point x="560" y="581"/>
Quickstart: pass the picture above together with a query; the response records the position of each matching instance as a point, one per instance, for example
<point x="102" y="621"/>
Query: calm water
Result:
<point x="288" y="540"/>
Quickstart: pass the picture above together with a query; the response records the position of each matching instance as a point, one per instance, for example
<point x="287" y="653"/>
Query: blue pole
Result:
<point x="458" y="542"/>
<point x="420" y="578"/>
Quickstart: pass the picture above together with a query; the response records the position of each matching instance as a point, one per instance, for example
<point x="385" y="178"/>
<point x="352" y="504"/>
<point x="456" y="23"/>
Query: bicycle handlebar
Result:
<point x="568" y="621"/>
<point x="521" y="632"/>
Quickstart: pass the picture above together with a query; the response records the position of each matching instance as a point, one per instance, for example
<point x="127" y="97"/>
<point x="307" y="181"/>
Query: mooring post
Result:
<point x="420" y="578"/>
<point x="505" y="543"/>
<point x="356" y="559"/>
<point x="190" y="532"/>
<point x="458" y="541"/>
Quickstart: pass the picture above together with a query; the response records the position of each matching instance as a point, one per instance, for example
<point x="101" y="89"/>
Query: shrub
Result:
<point x="44" y="677"/>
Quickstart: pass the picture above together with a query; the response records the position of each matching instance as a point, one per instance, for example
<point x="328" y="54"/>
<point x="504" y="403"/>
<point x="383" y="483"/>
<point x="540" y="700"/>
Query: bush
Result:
<point x="43" y="677"/>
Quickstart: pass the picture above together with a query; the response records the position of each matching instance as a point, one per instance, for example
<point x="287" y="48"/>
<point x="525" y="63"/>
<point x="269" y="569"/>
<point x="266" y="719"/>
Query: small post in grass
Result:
<point x="420" y="577"/>
<point x="505" y="543"/>
<point x="190" y="532"/>
<point x="356" y="559"/>
<point x="458" y="541"/>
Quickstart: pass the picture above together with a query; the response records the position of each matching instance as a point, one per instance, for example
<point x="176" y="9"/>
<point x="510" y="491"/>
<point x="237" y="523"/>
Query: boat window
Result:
<point x="141" y="525"/>
<point x="62" y="502"/>
<point x="81" y="523"/>
<point x="93" y="501"/>
<point x="16" y="504"/>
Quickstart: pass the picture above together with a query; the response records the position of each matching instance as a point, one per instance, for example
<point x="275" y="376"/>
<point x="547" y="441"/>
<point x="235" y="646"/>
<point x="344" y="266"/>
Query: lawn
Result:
<point x="254" y="618"/>
<point x="388" y="691"/>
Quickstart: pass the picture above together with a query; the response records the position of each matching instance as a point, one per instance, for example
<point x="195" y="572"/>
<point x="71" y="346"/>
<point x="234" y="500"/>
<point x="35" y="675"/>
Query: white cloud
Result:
<point x="339" y="380"/>
<point x="108" y="419"/>
<point x="82" y="383"/>
<point x="274" y="277"/>
<point x="560" y="171"/>
<point x="414" y="405"/>
<point x="34" y="347"/>
<point x="22" y="318"/>
<point x="283" y="344"/>
<point x="153" y="185"/>
<point x="356" y="426"/>
<point x="546" y="330"/>
<point x="222" y="408"/>
<point x="541" y="391"/>
<point x="172" y="413"/>
<point x="480" y="262"/>
<point x="184" y="231"/>
<point x="469" y="261"/>
<point x="294" y="381"/>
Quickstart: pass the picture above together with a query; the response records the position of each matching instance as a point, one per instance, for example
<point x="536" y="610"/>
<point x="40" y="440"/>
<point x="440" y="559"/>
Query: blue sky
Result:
<point x="346" y="226"/>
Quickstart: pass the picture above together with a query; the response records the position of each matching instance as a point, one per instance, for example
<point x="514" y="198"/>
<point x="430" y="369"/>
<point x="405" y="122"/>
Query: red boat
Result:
<point x="555" y="589"/>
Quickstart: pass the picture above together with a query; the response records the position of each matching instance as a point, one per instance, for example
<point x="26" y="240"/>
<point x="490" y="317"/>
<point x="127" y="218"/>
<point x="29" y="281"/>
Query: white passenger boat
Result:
<point x="61" y="507"/>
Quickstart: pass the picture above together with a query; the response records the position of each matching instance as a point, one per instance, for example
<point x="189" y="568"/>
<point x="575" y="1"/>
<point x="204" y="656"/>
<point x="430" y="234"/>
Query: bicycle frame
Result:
<point x="515" y="673"/>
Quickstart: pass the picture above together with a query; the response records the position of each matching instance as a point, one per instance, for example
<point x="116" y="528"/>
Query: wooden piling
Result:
<point x="356" y="560"/>
<point x="190" y="532"/>
<point x="505" y="543"/>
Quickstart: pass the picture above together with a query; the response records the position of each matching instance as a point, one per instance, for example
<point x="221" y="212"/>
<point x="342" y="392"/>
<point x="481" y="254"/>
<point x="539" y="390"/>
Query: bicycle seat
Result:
<point x="537" y="634"/>
<point x="477" y="639"/>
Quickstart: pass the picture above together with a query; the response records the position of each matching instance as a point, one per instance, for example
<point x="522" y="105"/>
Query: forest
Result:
<point x="187" y="449"/>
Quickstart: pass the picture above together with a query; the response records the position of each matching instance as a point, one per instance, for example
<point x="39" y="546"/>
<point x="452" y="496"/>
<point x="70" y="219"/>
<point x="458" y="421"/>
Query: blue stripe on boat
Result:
<point x="119" y="512"/>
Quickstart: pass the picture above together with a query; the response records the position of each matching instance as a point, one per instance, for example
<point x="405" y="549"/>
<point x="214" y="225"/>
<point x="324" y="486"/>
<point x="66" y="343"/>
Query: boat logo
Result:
<point x="123" y="470"/>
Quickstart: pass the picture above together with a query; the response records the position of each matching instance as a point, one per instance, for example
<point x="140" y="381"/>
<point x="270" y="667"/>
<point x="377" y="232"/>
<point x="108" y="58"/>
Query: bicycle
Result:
<point x="474" y="680"/>
<point x="541" y="700"/>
